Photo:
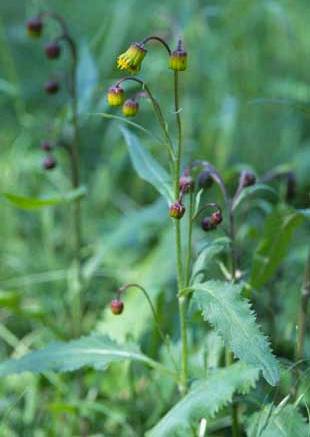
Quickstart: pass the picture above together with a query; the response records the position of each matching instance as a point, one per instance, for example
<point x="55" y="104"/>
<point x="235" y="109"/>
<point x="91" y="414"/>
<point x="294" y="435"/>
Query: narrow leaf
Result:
<point x="249" y="191"/>
<point x="24" y="202"/>
<point x="96" y="351"/>
<point x="204" y="399"/>
<point x="147" y="167"/>
<point x="234" y="320"/>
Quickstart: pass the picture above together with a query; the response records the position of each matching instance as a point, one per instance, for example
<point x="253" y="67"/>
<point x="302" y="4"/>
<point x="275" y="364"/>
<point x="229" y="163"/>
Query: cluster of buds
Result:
<point x="211" y="222"/>
<point x="49" y="162"/>
<point x="116" y="97"/>
<point x="52" y="50"/>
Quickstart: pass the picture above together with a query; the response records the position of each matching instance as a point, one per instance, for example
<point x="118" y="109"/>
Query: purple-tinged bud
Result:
<point x="216" y="217"/>
<point x="130" y="108"/>
<point x="34" y="27"/>
<point x="178" y="58"/>
<point x="207" y="224"/>
<point x="117" y="306"/>
<point x="205" y="180"/>
<point x="52" y="50"/>
<point x="176" y="210"/>
<point x="49" y="163"/>
<point x="247" y="178"/>
<point x="187" y="184"/>
<point x="115" y="96"/>
<point x="291" y="186"/>
<point x="46" y="146"/>
<point x="51" y="87"/>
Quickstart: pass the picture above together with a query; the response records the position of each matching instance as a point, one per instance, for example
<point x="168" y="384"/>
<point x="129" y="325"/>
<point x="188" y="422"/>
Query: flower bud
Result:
<point x="205" y="180"/>
<point x="117" y="306"/>
<point x="247" y="178"/>
<point x="207" y="224"/>
<point x="51" y="87"/>
<point x="130" y="108"/>
<point x="49" y="163"/>
<point x="52" y="50"/>
<point x="34" y="27"/>
<point x="178" y="58"/>
<point x="291" y="186"/>
<point x="46" y="146"/>
<point x="187" y="184"/>
<point x="176" y="210"/>
<point x="115" y="96"/>
<point x="131" y="60"/>
<point x="216" y="217"/>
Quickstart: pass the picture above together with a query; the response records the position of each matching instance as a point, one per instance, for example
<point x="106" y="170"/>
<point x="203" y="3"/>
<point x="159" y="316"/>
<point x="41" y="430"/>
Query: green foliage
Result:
<point x="95" y="351"/>
<point x="205" y="399"/>
<point x="277" y="234"/>
<point x="146" y="166"/>
<point x="278" y="421"/>
<point x="234" y="320"/>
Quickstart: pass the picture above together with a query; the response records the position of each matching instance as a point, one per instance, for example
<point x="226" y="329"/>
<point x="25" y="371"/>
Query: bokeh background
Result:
<point x="245" y="103"/>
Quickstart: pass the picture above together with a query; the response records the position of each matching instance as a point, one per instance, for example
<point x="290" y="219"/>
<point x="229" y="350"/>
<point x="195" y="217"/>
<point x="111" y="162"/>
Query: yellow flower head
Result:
<point x="131" y="59"/>
<point x="115" y="96"/>
<point x="178" y="59"/>
<point x="130" y="108"/>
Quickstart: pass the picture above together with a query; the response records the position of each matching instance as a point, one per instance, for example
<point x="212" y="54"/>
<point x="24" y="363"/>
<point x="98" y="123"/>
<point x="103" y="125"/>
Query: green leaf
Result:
<point x="204" y="400"/>
<point x="280" y="421"/>
<point x="276" y="236"/>
<point x="87" y="78"/>
<point x="248" y="191"/>
<point x="97" y="351"/>
<point x="147" y="167"/>
<point x="206" y="255"/>
<point x="234" y="320"/>
<point x="24" y="202"/>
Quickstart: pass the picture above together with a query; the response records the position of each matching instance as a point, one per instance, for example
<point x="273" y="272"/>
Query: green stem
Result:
<point x="189" y="241"/>
<point x="302" y="316"/>
<point x="182" y="301"/>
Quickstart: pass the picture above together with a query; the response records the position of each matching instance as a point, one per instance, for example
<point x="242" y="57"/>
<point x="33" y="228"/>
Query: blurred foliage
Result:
<point x="245" y="104"/>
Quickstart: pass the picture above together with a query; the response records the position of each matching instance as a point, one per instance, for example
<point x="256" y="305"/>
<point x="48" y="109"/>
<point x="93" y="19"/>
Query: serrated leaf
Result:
<point x="249" y="191"/>
<point x="147" y="167"/>
<point x="25" y="202"/>
<point x="277" y="422"/>
<point x="204" y="399"/>
<point x="234" y="320"/>
<point x="96" y="351"/>
<point x="274" y="244"/>
<point x="209" y="251"/>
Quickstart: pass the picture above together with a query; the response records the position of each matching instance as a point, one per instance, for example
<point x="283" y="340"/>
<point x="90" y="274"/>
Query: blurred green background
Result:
<point x="245" y="102"/>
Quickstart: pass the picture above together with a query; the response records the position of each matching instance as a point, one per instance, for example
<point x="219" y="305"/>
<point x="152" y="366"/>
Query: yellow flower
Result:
<point x="115" y="96"/>
<point x="130" y="108"/>
<point x="178" y="59"/>
<point x="131" y="59"/>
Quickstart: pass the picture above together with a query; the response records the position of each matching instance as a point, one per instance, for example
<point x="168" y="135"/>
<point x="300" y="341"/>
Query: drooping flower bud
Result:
<point x="46" y="146"/>
<point x="207" y="224"/>
<point x="117" y="306"/>
<point x="34" y="27"/>
<point x="115" y="96"/>
<point x="291" y="186"/>
<point x="177" y="210"/>
<point x="131" y="60"/>
<point x="49" y="163"/>
<point x="247" y="178"/>
<point x="52" y="50"/>
<point x="205" y="180"/>
<point x="130" y="108"/>
<point x="51" y="87"/>
<point x="216" y="217"/>
<point x="187" y="184"/>
<point x="178" y="58"/>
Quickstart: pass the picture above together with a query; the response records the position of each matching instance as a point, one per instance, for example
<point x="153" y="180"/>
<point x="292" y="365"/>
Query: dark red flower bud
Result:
<point x="46" y="146"/>
<point x="207" y="224"/>
<point x="49" y="163"/>
<point x="117" y="306"/>
<point x="216" y="218"/>
<point x="247" y="178"/>
<point x="51" y="87"/>
<point x="52" y="50"/>
<point x="34" y="27"/>
<point x="176" y="210"/>
<point x="186" y="184"/>
<point x="205" y="180"/>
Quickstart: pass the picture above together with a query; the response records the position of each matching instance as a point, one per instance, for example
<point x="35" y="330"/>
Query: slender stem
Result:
<point x="189" y="241"/>
<point x="302" y="317"/>
<point x="157" y="38"/>
<point x="154" y="314"/>
<point x="182" y="300"/>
